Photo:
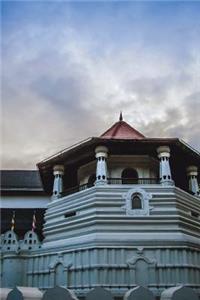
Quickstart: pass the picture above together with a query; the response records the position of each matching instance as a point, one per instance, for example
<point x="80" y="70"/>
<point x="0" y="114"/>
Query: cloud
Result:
<point x="63" y="82"/>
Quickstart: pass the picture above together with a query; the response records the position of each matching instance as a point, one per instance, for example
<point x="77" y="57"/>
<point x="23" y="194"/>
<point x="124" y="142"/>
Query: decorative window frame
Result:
<point x="144" y="196"/>
<point x="59" y="260"/>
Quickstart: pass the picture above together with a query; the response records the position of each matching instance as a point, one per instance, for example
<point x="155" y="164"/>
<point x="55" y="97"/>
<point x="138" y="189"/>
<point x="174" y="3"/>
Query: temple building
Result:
<point x="120" y="210"/>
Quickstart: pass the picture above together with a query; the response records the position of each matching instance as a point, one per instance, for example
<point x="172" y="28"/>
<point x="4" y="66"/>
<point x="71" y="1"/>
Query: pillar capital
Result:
<point x="192" y="171"/>
<point x="101" y="151"/>
<point x="163" y="151"/>
<point x="58" y="170"/>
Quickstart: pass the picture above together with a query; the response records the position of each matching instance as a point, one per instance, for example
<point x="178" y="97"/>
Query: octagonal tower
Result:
<point x="126" y="212"/>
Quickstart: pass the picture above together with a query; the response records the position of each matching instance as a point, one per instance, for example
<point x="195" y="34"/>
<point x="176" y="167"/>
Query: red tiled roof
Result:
<point x="122" y="130"/>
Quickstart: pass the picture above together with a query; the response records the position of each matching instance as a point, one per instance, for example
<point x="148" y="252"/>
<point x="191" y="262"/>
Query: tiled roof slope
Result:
<point x="122" y="130"/>
<point x="20" y="179"/>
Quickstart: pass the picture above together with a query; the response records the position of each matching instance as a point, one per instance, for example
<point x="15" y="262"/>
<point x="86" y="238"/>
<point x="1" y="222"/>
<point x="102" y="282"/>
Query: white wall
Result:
<point x="146" y="166"/>
<point x="24" y="201"/>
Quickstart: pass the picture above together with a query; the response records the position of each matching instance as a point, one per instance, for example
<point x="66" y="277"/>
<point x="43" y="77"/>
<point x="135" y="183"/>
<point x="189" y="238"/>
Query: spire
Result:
<point x="120" y="116"/>
<point x="13" y="221"/>
<point x="34" y="222"/>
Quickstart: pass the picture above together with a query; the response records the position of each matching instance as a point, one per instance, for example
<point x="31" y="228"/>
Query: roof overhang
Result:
<point x="84" y="152"/>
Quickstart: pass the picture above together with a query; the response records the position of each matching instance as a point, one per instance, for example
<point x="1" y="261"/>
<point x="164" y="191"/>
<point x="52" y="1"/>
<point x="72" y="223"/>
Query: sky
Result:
<point x="69" y="68"/>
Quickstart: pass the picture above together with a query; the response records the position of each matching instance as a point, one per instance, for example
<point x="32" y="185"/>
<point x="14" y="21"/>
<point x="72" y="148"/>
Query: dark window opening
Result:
<point x="194" y="214"/>
<point x="136" y="202"/>
<point x="129" y="176"/>
<point x="70" y="214"/>
<point x="91" y="180"/>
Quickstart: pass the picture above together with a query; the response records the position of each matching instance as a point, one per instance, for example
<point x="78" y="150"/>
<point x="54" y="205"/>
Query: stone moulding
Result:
<point x="59" y="260"/>
<point x="144" y="196"/>
<point x="133" y="260"/>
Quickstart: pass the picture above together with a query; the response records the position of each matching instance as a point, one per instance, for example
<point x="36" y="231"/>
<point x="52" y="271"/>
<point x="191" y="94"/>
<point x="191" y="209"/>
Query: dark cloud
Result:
<point x="182" y="122"/>
<point x="63" y="82"/>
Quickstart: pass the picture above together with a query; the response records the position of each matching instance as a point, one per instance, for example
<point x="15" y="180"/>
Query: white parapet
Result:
<point x="28" y="293"/>
<point x="4" y="293"/>
<point x="139" y="292"/>
<point x="179" y="293"/>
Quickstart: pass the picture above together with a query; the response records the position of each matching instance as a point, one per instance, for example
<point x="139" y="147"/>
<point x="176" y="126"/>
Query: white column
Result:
<point x="58" y="172"/>
<point x="192" y="172"/>
<point x="101" y="170"/>
<point x="165" y="171"/>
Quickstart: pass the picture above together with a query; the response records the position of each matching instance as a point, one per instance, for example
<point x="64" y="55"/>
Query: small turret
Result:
<point x="10" y="242"/>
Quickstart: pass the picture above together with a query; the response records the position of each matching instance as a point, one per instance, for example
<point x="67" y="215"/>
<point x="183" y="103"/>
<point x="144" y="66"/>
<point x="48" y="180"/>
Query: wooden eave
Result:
<point x="84" y="152"/>
<point x="23" y="192"/>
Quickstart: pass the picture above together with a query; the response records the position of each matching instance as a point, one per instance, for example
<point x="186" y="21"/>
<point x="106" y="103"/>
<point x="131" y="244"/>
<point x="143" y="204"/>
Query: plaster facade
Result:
<point x="103" y="244"/>
<point x="114" y="234"/>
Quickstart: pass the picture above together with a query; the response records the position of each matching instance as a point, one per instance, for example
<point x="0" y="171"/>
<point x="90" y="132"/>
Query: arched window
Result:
<point x="91" y="180"/>
<point x="136" y="201"/>
<point x="129" y="176"/>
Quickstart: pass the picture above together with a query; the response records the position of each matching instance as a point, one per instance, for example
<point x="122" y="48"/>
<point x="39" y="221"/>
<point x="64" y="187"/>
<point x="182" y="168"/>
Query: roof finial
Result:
<point x="120" y="117"/>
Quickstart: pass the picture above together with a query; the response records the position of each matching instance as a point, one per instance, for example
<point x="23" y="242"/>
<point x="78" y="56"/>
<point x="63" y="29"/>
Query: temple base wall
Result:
<point x="116" y="268"/>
